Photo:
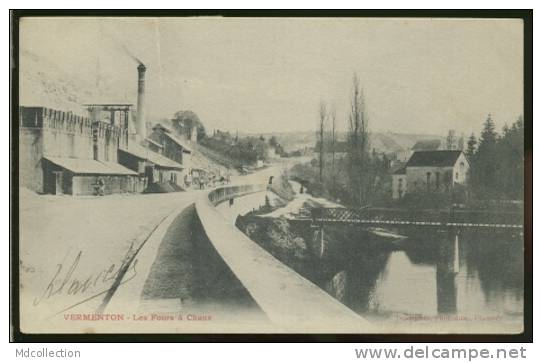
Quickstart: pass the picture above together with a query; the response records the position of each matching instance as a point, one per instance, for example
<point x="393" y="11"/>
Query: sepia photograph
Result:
<point x="202" y="175"/>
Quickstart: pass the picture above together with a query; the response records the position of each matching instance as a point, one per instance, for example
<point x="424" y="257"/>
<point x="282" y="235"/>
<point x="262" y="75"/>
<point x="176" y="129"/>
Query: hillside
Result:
<point x="208" y="159"/>
<point x="42" y="83"/>
<point x="381" y="141"/>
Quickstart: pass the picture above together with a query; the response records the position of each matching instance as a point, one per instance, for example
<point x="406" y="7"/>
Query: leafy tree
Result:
<point x="273" y="141"/>
<point x="188" y="119"/>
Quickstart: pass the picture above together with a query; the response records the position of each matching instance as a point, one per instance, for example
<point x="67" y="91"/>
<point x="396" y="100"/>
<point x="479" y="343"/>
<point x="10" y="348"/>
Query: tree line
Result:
<point x="360" y="177"/>
<point x="496" y="162"/>
<point x="242" y="151"/>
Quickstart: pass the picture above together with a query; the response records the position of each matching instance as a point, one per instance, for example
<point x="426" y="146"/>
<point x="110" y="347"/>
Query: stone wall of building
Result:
<point x="84" y="185"/>
<point x="30" y="168"/>
<point x="67" y="140"/>
<point x="398" y="186"/>
<point x="429" y="179"/>
<point x="461" y="169"/>
<point x="441" y="179"/>
<point x="44" y="132"/>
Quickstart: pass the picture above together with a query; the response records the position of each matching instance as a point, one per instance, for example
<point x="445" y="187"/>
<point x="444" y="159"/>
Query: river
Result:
<point x="432" y="277"/>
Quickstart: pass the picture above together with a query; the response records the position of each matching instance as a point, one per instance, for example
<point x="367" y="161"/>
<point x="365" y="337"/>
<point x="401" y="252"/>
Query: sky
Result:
<point x="270" y="74"/>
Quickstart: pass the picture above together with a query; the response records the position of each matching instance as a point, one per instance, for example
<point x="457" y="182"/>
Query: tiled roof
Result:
<point x="92" y="167"/>
<point x="153" y="142"/>
<point x="180" y="142"/>
<point x="433" y="158"/>
<point x="156" y="158"/>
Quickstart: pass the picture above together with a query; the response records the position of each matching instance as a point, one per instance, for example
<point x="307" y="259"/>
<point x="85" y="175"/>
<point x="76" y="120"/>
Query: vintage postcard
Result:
<point x="319" y="175"/>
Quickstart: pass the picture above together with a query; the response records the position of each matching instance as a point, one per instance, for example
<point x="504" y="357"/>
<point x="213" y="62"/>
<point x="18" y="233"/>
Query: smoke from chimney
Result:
<point x="141" y="127"/>
<point x="120" y="45"/>
<point x="130" y="54"/>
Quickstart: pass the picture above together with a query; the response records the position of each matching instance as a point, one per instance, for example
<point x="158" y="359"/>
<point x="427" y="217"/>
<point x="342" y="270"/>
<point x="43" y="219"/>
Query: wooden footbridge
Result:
<point x="442" y="218"/>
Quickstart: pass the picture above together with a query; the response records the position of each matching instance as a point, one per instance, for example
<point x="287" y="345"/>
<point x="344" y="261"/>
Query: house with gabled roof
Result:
<point x="172" y="146"/>
<point x="431" y="171"/>
<point x="423" y="145"/>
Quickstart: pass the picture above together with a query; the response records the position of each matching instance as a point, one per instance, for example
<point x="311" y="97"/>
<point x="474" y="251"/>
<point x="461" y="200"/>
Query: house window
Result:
<point x="437" y="181"/>
<point x="457" y="176"/>
<point x="428" y="180"/>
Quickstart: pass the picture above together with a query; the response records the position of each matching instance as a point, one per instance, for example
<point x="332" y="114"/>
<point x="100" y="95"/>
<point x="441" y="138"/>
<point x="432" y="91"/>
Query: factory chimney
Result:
<point x="141" y="127"/>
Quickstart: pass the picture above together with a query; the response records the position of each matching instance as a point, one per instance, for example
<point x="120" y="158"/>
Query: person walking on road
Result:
<point x="100" y="186"/>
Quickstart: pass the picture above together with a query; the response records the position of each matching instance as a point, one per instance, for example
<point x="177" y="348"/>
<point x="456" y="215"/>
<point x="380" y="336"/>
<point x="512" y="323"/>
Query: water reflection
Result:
<point x="473" y="275"/>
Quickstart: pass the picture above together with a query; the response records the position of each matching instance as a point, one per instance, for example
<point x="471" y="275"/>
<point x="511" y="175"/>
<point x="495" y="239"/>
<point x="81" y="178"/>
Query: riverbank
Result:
<point x="405" y="289"/>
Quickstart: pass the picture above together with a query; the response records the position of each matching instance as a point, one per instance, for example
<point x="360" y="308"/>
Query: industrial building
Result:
<point x="61" y="153"/>
<point x="64" y="153"/>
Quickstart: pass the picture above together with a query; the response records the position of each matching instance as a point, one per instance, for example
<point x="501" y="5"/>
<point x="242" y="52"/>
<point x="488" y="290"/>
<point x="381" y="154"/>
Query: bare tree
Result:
<point x="451" y="141"/>
<point x="333" y="117"/>
<point x="322" y="115"/>
<point x="358" y="141"/>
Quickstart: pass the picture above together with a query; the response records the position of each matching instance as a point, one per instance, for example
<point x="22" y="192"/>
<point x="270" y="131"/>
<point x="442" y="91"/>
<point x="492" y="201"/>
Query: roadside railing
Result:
<point x="291" y="303"/>
<point x="222" y="194"/>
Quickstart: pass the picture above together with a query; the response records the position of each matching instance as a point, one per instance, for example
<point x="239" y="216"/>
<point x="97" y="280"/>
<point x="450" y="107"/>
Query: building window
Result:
<point x="457" y="176"/>
<point x="437" y="180"/>
<point x="428" y="180"/>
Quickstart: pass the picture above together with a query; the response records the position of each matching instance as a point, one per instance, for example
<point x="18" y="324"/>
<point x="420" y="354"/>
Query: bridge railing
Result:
<point x="354" y="215"/>
<point x="441" y="216"/>
<point x="486" y="217"/>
